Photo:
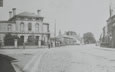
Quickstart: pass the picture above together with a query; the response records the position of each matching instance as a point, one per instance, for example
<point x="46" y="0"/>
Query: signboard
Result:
<point x="1" y="3"/>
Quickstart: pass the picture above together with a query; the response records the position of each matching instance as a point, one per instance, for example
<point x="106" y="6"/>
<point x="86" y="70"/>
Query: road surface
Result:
<point x="78" y="58"/>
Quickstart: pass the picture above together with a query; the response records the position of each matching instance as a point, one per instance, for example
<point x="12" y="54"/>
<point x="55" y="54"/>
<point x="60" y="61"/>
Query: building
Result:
<point x="68" y="38"/>
<point x="111" y="31"/>
<point x="28" y="27"/>
<point x="74" y="35"/>
<point x="104" y="38"/>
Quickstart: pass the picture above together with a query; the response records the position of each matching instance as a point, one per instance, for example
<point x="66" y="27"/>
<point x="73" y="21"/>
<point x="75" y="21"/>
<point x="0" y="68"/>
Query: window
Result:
<point x="29" y="27"/>
<point x="22" y="27"/>
<point x="45" y="28"/>
<point x="9" y="27"/>
<point x="37" y="27"/>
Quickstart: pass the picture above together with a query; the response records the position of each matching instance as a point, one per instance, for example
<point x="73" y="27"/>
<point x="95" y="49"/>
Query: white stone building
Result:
<point x="25" y="25"/>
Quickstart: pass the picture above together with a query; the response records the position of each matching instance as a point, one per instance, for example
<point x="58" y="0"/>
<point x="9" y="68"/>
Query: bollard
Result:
<point x="23" y="45"/>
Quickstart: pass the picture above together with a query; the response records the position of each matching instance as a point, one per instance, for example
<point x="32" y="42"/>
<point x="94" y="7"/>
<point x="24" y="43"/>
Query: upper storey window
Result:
<point x="9" y="27"/>
<point x="37" y="27"/>
<point x="21" y="26"/>
<point x="29" y="26"/>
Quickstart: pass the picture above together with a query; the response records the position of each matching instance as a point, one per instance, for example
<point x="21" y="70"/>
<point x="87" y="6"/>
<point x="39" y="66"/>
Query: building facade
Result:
<point x="104" y="38"/>
<point x="26" y="26"/>
<point x="111" y="31"/>
<point x="74" y="35"/>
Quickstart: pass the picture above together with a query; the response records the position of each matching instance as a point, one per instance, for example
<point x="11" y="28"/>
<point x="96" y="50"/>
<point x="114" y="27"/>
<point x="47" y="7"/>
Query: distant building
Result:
<point x="70" y="33"/>
<point x="74" y="35"/>
<point x="26" y="25"/>
<point x="68" y="38"/>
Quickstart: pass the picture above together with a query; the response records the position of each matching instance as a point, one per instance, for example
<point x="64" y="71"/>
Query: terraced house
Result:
<point x="27" y="27"/>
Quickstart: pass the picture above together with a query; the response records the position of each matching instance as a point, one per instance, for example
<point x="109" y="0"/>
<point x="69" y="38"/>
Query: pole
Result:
<point x="55" y="33"/>
<point x="110" y="10"/>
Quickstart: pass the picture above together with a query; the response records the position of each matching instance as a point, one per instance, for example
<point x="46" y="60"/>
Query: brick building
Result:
<point x="26" y="25"/>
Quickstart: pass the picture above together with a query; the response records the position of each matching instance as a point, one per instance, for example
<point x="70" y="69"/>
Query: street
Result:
<point x="77" y="58"/>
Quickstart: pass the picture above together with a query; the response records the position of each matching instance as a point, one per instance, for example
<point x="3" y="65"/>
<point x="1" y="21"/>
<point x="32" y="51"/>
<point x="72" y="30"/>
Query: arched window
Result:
<point x="37" y="27"/>
<point x="29" y="26"/>
<point x="9" y="27"/>
<point x="21" y="26"/>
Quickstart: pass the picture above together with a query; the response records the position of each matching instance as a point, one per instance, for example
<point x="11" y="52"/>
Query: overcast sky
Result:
<point x="74" y="15"/>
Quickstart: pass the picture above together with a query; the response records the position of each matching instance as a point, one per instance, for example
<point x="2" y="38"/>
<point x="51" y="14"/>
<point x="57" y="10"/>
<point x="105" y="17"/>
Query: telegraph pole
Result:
<point x="110" y="10"/>
<point x="55" y="32"/>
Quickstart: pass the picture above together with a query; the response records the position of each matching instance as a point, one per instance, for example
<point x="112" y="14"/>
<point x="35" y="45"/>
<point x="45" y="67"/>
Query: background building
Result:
<point x="68" y="38"/>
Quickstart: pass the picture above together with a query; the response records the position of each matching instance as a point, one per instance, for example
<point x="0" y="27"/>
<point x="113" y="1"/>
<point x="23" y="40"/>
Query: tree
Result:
<point x="89" y="38"/>
<point x="8" y="40"/>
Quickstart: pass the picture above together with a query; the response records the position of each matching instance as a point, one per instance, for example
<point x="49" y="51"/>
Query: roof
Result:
<point x="110" y="18"/>
<point x="65" y="36"/>
<point x="28" y="14"/>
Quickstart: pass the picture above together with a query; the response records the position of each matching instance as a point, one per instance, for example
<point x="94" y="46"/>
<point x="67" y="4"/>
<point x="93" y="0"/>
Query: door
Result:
<point x="37" y="39"/>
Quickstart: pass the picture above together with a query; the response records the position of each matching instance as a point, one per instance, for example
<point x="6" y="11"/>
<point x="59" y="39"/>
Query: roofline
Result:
<point x="110" y="18"/>
<point x="46" y="23"/>
<point x="7" y="22"/>
<point x="31" y="16"/>
<point x="23" y="16"/>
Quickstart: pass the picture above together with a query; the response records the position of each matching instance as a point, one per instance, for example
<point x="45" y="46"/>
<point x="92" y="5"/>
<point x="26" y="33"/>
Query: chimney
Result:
<point x="39" y="12"/>
<point x="10" y="14"/>
<point x="14" y="11"/>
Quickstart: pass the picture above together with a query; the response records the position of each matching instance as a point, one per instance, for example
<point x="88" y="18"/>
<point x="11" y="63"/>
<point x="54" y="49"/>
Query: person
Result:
<point x="23" y="45"/>
<point x="49" y="44"/>
<point x="0" y="43"/>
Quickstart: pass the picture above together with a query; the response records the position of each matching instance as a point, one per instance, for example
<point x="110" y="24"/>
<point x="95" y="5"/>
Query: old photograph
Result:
<point x="57" y="35"/>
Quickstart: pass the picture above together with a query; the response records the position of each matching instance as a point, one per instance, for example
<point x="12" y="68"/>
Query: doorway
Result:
<point x="37" y="39"/>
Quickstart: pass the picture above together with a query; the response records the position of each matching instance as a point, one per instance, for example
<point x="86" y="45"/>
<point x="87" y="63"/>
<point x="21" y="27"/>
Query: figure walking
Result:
<point x="49" y="44"/>
<point x="0" y="43"/>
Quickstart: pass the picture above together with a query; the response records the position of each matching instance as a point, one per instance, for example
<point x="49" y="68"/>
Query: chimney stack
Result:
<point x="10" y="14"/>
<point x="39" y="12"/>
<point x="14" y="11"/>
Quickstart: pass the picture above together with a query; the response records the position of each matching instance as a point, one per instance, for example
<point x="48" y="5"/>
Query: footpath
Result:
<point x="24" y="57"/>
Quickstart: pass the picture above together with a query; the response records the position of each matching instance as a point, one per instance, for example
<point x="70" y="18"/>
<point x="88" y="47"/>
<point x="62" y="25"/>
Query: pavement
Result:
<point x="23" y="56"/>
<point x="78" y="58"/>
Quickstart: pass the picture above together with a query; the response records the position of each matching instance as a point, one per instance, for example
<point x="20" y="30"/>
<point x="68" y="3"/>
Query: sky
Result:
<point x="80" y="16"/>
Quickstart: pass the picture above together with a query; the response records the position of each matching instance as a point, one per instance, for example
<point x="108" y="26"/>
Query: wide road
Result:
<point x="78" y="58"/>
<point x="89" y="58"/>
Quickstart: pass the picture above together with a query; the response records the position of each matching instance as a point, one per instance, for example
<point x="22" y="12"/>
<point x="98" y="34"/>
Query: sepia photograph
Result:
<point x="57" y="35"/>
